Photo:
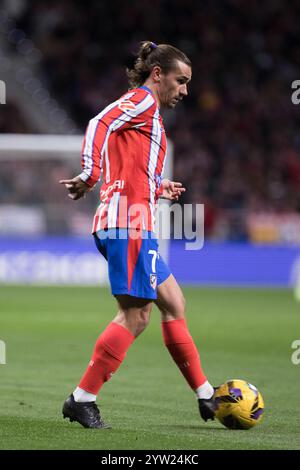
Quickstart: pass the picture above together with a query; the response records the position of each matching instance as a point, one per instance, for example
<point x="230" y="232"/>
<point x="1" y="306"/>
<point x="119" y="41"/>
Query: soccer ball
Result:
<point x="239" y="405"/>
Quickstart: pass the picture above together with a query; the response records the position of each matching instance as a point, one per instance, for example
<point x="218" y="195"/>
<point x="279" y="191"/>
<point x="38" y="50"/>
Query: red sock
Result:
<point x="184" y="352"/>
<point x="109" y="352"/>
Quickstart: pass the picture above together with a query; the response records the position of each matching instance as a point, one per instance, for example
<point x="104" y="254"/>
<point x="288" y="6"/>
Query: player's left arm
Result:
<point x="171" y="190"/>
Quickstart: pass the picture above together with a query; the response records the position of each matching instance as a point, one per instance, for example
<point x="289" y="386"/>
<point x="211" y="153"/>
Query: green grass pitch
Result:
<point x="49" y="335"/>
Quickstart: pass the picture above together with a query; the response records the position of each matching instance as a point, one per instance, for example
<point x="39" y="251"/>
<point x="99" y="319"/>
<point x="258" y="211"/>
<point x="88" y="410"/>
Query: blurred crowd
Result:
<point x="12" y="120"/>
<point x="236" y="136"/>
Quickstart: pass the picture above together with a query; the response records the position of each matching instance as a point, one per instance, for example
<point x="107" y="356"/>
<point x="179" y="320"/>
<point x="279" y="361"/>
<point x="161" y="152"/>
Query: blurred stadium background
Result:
<point x="236" y="137"/>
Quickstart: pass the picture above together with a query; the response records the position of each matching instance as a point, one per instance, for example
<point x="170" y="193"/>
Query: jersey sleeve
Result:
<point x="127" y="112"/>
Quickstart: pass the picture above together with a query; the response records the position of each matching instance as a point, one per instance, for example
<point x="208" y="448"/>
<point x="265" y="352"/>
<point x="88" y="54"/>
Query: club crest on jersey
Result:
<point x="126" y="105"/>
<point x="153" y="281"/>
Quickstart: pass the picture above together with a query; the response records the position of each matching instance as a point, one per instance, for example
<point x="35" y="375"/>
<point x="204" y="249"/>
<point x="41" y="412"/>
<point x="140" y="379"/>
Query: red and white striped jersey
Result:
<point x="126" y="144"/>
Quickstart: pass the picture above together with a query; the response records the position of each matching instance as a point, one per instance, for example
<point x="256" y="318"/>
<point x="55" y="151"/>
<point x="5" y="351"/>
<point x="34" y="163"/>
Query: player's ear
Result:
<point x="156" y="73"/>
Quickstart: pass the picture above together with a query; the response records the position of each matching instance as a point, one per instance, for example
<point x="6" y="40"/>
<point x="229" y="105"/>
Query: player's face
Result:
<point x="173" y="85"/>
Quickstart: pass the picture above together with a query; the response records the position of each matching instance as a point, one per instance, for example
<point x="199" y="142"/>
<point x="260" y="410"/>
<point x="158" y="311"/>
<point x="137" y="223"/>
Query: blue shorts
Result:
<point x="134" y="265"/>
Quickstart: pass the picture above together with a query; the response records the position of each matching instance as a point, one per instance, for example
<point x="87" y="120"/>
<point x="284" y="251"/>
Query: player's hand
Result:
<point x="76" y="187"/>
<point x="172" y="190"/>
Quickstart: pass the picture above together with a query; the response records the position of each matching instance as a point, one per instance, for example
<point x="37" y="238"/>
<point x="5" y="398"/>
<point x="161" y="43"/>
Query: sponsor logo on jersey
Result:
<point x="117" y="184"/>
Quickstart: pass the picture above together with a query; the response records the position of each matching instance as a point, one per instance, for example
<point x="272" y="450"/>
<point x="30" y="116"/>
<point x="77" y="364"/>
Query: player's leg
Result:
<point x="133" y="314"/>
<point x="177" y="338"/>
<point x="126" y="267"/>
<point x="112" y="345"/>
<point x="109" y="353"/>
<point x="179" y="342"/>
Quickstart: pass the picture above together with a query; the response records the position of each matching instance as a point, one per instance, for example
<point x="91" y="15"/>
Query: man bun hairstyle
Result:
<point x="150" y="55"/>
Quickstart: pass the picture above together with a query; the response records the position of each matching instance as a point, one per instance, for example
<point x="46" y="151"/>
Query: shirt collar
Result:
<point x="147" y="89"/>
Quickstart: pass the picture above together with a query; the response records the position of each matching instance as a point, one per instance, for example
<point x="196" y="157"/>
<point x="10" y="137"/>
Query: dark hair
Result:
<point x="150" y="55"/>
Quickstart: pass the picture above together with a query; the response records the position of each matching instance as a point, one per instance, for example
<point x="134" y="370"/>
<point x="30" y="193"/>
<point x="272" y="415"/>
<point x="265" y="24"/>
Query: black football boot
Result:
<point x="207" y="407"/>
<point x="86" y="413"/>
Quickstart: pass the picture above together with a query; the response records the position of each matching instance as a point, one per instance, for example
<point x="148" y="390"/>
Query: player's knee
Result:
<point x="182" y="303"/>
<point x="135" y="320"/>
<point x="175" y="310"/>
<point x="142" y="321"/>
<point x="179" y="308"/>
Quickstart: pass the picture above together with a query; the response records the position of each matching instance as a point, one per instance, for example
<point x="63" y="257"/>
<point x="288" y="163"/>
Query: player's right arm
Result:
<point x="76" y="187"/>
<point x="124" y="113"/>
<point x="130" y="110"/>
